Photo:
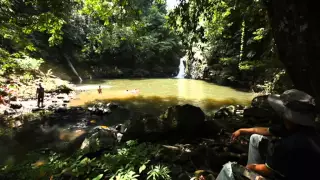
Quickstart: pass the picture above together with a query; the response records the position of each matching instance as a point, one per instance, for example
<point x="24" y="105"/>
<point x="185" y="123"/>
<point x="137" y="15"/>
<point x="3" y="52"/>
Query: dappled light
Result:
<point x="158" y="89"/>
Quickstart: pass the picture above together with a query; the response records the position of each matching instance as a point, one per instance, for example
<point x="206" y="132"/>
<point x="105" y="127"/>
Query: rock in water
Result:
<point x="17" y="123"/>
<point x="63" y="89"/>
<point x="60" y="97"/>
<point x="99" y="109"/>
<point x="239" y="107"/>
<point x="36" y="109"/>
<point x="61" y="110"/>
<point x="226" y="111"/>
<point x="63" y="96"/>
<point x="112" y="105"/>
<point x="66" y="101"/>
<point x="9" y="111"/>
<point x="15" y="105"/>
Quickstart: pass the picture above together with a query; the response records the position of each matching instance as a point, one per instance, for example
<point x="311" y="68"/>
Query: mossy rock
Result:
<point x="185" y="121"/>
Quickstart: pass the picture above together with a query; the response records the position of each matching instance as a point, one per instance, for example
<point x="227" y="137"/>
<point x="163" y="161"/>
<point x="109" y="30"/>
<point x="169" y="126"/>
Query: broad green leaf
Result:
<point x="142" y="168"/>
<point x="98" y="177"/>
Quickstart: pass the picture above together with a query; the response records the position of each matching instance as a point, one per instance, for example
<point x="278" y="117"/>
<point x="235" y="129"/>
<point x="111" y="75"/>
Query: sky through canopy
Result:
<point x="171" y="4"/>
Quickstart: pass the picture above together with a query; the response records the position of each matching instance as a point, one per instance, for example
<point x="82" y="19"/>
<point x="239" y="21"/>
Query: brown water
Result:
<point x="158" y="94"/>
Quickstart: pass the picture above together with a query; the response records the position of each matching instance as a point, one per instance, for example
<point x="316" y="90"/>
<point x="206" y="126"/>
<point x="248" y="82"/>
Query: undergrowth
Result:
<point x="129" y="161"/>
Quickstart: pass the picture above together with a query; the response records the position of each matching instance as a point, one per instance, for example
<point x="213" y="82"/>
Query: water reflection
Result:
<point x="158" y="94"/>
<point x="182" y="88"/>
<point x="156" y="104"/>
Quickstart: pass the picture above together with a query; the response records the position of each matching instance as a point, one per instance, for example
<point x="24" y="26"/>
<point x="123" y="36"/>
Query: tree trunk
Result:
<point x="296" y="29"/>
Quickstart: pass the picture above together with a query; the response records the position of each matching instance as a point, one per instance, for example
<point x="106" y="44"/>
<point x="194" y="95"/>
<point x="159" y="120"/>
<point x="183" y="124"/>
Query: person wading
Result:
<point x="40" y="95"/>
<point x="99" y="90"/>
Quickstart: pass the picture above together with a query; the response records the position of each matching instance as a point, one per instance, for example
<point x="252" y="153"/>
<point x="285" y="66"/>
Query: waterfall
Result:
<point x="73" y="69"/>
<point x="181" y="69"/>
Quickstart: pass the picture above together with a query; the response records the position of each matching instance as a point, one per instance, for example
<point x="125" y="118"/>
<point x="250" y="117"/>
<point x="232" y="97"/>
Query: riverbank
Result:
<point x="58" y="93"/>
<point x="91" y="142"/>
<point x="105" y="139"/>
<point x="259" y="77"/>
<point x="98" y="139"/>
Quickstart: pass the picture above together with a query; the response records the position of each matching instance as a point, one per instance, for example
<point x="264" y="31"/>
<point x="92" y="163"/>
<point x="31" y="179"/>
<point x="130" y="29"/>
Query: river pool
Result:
<point x="155" y="95"/>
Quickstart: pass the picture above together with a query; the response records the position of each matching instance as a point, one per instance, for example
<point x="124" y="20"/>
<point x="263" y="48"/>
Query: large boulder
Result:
<point x="98" y="138"/>
<point x="260" y="110"/>
<point x="176" y="121"/>
<point x="63" y="89"/>
<point x="185" y="118"/>
<point x="225" y="112"/>
<point x="260" y="101"/>
<point x="140" y="126"/>
<point x="15" y="105"/>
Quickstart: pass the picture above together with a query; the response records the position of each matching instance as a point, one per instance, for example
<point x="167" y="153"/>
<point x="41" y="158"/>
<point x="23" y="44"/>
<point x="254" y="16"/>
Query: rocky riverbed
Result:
<point x="58" y="94"/>
<point x="189" y="139"/>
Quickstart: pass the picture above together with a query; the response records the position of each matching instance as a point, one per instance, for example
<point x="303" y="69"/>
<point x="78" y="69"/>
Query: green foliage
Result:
<point x="130" y="161"/>
<point x="91" y="33"/>
<point x="20" y="19"/>
<point x="250" y="65"/>
<point x="125" y="175"/>
<point x="259" y="34"/>
<point x="143" y="41"/>
<point x="227" y="60"/>
<point x="27" y="63"/>
<point x="279" y="82"/>
<point x="159" y="172"/>
<point x="18" y="62"/>
<point x="237" y="34"/>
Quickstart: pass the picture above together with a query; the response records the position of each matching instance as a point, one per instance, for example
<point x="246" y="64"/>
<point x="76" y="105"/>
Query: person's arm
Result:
<point x="256" y="130"/>
<point x="248" y="131"/>
<point x="261" y="169"/>
<point x="281" y="156"/>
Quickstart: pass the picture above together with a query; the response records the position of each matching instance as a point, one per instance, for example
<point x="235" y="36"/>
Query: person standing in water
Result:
<point x="99" y="90"/>
<point x="40" y="95"/>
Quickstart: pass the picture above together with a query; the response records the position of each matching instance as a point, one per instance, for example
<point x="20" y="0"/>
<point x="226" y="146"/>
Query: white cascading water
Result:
<point x="181" y="69"/>
<point x="73" y="69"/>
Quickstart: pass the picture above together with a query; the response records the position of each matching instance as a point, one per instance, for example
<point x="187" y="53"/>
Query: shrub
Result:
<point x="130" y="161"/>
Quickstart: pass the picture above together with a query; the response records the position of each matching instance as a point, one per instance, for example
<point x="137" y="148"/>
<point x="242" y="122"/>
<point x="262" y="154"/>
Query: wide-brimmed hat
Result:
<point x="295" y="106"/>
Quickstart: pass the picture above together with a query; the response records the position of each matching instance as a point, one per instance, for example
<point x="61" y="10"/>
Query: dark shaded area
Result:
<point x="295" y="26"/>
<point x="155" y="104"/>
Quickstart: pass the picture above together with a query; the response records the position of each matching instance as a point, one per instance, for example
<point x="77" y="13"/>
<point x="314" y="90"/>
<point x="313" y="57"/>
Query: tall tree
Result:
<point x="296" y="29"/>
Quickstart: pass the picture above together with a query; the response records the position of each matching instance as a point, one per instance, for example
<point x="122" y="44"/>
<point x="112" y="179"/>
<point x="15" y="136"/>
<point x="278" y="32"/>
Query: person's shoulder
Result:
<point x="278" y="130"/>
